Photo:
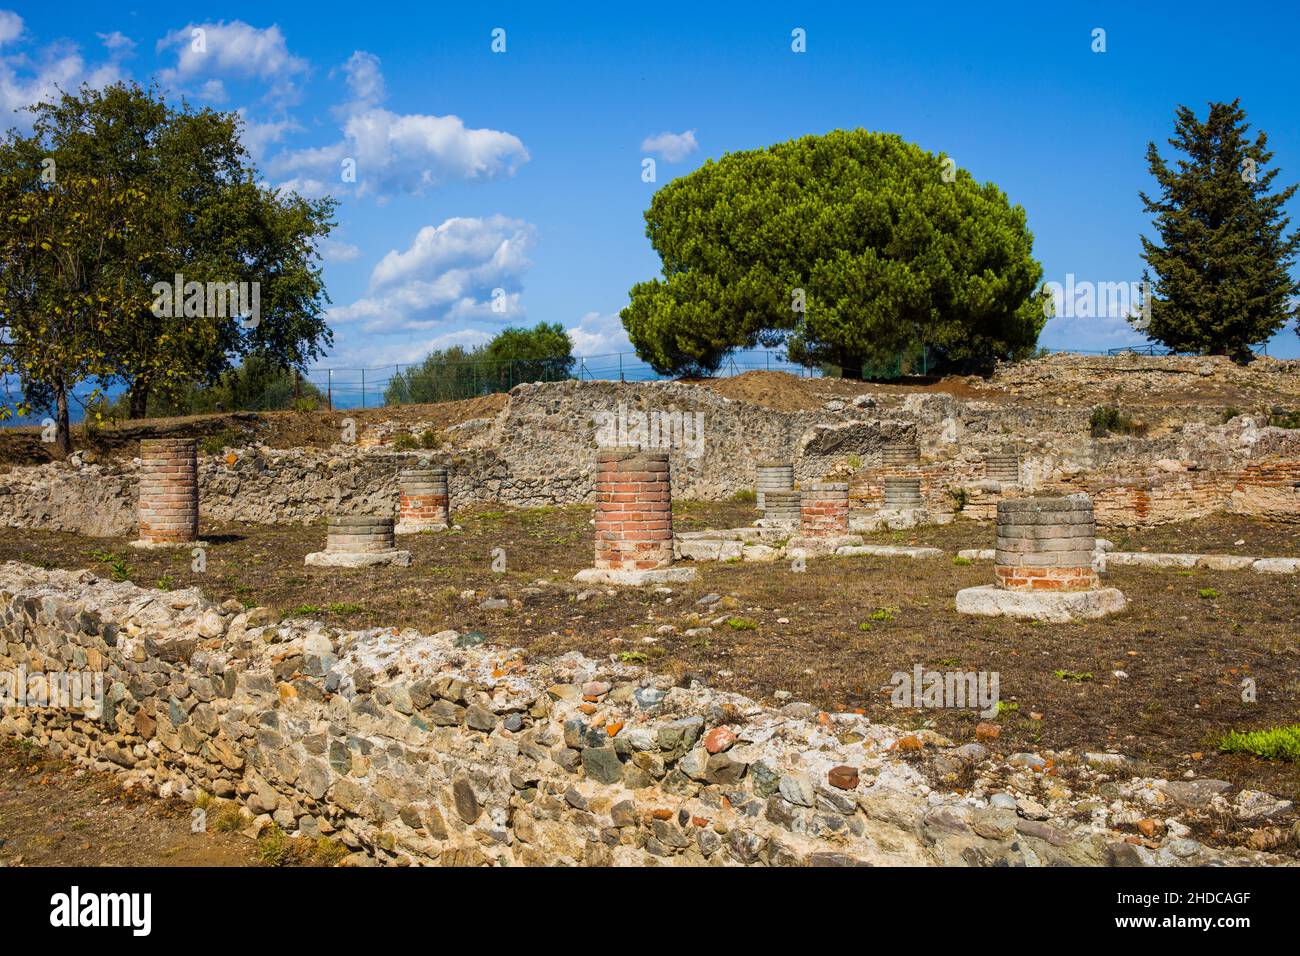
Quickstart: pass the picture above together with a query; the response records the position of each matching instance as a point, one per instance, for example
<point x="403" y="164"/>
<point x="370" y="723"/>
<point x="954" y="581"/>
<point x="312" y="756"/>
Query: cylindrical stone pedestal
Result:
<point x="903" y="494"/>
<point x="423" y="500"/>
<point x="900" y="456"/>
<point x="772" y="476"/>
<point x="634" y="517"/>
<point x="168" y="508"/>
<point x="783" y="506"/>
<point x="824" y="509"/>
<point x="1046" y="544"/>
<point x="1003" y="468"/>
<point x="358" y="541"/>
<point x="356" y="534"/>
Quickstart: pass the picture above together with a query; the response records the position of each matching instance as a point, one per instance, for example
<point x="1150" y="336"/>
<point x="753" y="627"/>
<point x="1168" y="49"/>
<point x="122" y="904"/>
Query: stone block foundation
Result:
<point x="772" y="476"/>
<point x="353" y="541"/>
<point x="783" y="508"/>
<point x="167" y="511"/>
<point x="1044" y="564"/>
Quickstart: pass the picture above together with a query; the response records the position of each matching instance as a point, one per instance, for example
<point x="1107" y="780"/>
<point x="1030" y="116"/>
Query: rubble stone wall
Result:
<point x="410" y="748"/>
<point x="541" y="450"/>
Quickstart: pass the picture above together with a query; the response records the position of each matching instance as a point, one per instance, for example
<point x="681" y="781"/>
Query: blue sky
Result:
<point x="521" y="170"/>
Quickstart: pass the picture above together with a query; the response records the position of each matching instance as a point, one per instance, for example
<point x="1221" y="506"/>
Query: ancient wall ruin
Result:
<point x="541" y="450"/>
<point x="410" y="748"/>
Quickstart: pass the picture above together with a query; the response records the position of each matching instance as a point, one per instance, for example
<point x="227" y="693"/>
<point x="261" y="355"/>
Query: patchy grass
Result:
<point x="1275" y="743"/>
<point x="1183" y="652"/>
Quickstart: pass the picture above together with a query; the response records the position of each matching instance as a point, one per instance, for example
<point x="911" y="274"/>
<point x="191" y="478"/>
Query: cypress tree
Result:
<point x="1222" y="257"/>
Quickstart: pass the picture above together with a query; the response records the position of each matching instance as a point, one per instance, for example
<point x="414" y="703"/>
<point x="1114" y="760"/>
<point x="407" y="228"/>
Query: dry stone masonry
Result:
<point x="424" y="500"/>
<point x="353" y="541"/>
<point x="1044" y="563"/>
<point x="409" y="748"/>
<point x="167" y="510"/>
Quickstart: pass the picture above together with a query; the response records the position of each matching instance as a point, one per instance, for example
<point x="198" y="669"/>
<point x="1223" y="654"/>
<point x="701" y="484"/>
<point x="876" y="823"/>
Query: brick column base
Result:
<point x="167" y="511"/>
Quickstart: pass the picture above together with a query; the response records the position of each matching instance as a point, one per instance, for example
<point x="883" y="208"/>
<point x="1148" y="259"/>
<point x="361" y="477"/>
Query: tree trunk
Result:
<point x="851" y="368"/>
<point x="63" y="430"/>
<point x="138" y="399"/>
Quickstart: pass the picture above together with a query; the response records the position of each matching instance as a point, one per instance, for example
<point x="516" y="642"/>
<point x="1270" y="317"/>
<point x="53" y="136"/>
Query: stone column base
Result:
<point x="635" y="578"/>
<point x="1056" y="607"/>
<point x="357" y="559"/>
<point x="145" y="545"/>
<point x="415" y="527"/>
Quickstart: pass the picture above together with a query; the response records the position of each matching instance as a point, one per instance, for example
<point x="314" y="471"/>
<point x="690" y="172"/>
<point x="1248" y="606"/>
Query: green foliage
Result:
<point x="745" y="496"/>
<point x="66" y="288"/>
<point x="1077" y="677"/>
<point x="405" y="441"/>
<point x="228" y="437"/>
<point x="961" y="562"/>
<point x="118" y="569"/>
<point x="1107" y="418"/>
<point x="1222" y="261"/>
<point x="1279" y="417"/>
<point x="890" y="246"/>
<point x="543" y="353"/>
<point x="741" y="624"/>
<point x="206" y="218"/>
<point x="1273" y="743"/>
<point x="633" y="657"/>
<point x="257" y="384"/>
<point x="1208" y="593"/>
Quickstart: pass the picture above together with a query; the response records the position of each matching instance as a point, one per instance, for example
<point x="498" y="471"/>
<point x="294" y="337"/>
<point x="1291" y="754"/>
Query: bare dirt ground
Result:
<point x="1160" y="682"/>
<point x="55" y="814"/>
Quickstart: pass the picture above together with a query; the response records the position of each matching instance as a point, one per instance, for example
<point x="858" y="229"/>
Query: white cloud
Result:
<point x="597" y="334"/>
<point x="117" y="42"/>
<point x="333" y="250"/>
<point x="370" y="353"/>
<point x="448" y="274"/>
<point x="257" y="137"/>
<point x="365" y="82"/>
<point x="29" y="78"/>
<point x="399" y="153"/>
<point x="672" y="147"/>
<point x="207" y="52"/>
<point x="11" y="26"/>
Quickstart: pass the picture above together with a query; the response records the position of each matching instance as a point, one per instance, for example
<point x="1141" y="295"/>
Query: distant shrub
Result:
<point x="1281" y="418"/>
<point x="745" y="496"/>
<point x="228" y="437"/>
<point x="1108" y="419"/>
<point x="405" y="442"/>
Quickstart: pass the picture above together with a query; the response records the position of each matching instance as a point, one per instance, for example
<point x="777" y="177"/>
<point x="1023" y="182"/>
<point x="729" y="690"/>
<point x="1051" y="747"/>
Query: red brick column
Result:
<point x="168" y="508"/>
<point x="634" y="518"/>
<point x="1046" y="544"/>
<point x="423" y="500"/>
<point x="824" y="510"/>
